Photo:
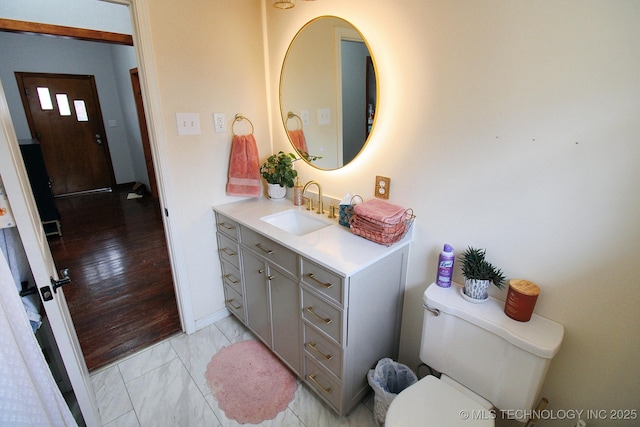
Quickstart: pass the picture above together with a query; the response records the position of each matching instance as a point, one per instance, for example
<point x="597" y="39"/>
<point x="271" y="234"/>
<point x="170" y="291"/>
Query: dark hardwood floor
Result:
<point x="121" y="295"/>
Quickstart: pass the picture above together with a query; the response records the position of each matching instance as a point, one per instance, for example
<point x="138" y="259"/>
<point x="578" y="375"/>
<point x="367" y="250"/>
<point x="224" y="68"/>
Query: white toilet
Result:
<point x="487" y="360"/>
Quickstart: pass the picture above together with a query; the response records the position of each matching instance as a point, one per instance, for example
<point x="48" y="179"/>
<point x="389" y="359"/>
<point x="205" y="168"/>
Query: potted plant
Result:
<point x="479" y="274"/>
<point x="279" y="173"/>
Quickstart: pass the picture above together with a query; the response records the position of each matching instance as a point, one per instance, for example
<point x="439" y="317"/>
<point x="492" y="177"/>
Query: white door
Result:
<point x="27" y="219"/>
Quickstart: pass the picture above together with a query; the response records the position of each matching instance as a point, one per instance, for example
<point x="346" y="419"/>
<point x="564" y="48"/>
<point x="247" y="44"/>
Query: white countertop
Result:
<point x="334" y="247"/>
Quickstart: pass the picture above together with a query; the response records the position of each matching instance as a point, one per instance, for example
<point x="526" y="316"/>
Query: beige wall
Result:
<point x="507" y="125"/>
<point x="511" y="126"/>
<point x="209" y="58"/>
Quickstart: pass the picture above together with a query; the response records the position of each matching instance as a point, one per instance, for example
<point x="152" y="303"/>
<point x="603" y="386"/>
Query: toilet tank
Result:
<point x="501" y="359"/>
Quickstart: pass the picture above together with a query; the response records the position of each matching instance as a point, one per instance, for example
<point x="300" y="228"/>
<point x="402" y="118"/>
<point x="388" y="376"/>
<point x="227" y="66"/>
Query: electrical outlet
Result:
<point x="219" y="122"/>
<point x="324" y="116"/>
<point x="383" y="187"/>
<point x="188" y="123"/>
<point x="304" y="116"/>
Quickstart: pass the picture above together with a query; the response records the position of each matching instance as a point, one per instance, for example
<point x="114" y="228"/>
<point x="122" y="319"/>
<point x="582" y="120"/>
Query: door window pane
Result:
<point x="45" y="98"/>
<point x="81" y="110"/>
<point x="63" y="104"/>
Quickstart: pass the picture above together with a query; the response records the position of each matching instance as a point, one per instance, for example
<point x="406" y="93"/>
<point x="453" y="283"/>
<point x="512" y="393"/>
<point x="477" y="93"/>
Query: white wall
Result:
<point x="507" y="125"/>
<point x="209" y="58"/>
<point x="92" y="14"/>
<point x="511" y="126"/>
<point x="109" y="64"/>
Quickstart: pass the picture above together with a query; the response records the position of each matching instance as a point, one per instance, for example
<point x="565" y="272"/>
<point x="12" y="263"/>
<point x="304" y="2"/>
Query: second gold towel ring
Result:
<point x="239" y="117"/>
<point x="291" y="115"/>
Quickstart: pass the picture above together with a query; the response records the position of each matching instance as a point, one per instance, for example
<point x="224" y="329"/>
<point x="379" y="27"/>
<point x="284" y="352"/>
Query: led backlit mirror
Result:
<point x="328" y="92"/>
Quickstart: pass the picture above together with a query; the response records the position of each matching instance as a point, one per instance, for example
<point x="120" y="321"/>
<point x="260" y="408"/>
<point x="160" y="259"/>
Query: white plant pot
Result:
<point x="477" y="290"/>
<point x="276" y="192"/>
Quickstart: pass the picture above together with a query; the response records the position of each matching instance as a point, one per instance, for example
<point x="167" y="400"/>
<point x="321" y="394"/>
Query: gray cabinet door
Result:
<point x="257" y="295"/>
<point x="285" y="318"/>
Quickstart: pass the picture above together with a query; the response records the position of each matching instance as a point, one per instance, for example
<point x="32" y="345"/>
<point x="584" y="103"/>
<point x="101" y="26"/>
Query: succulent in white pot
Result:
<point x="479" y="274"/>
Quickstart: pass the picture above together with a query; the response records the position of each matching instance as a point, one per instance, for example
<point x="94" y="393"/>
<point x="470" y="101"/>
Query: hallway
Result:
<point x="121" y="296"/>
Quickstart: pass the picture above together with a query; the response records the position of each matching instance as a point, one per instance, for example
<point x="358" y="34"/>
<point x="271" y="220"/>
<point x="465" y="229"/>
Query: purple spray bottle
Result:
<point x="445" y="267"/>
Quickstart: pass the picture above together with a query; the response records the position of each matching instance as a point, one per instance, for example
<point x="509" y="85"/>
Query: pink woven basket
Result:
<point x="381" y="232"/>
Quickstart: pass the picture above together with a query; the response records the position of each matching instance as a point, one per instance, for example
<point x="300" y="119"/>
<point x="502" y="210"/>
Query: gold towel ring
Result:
<point x="239" y="117"/>
<point x="291" y="115"/>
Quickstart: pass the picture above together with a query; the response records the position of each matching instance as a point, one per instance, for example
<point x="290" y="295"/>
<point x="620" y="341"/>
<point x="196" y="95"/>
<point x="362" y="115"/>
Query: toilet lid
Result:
<point x="431" y="402"/>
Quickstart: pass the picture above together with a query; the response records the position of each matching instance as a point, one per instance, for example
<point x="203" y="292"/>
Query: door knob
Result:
<point x="63" y="281"/>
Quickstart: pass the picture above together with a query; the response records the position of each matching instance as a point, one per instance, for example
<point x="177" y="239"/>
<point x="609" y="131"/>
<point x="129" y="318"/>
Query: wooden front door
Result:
<point x="64" y="114"/>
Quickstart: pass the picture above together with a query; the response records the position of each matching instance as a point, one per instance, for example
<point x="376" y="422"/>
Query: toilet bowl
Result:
<point x="483" y="356"/>
<point x="431" y="402"/>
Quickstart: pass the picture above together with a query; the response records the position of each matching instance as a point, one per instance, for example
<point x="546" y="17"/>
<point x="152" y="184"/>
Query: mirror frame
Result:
<point x="284" y="114"/>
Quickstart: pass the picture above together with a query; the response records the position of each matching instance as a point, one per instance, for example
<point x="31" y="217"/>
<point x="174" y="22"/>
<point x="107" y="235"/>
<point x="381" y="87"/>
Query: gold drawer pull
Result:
<point x="326" y="285"/>
<point x="326" y="321"/>
<point x="228" y="277"/>
<point x="312" y="346"/>
<point x="312" y="378"/>
<point x="227" y="226"/>
<point x="228" y="251"/>
<point x="230" y="302"/>
<point x="267" y="251"/>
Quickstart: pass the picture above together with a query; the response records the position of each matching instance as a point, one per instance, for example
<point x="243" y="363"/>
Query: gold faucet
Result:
<point x="304" y="189"/>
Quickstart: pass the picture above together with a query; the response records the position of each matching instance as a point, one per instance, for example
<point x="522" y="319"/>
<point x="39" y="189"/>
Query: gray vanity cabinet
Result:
<point x="272" y="295"/>
<point x="349" y="323"/>
<point x="229" y="253"/>
<point x="329" y="327"/>
<point x="272" y="298"/>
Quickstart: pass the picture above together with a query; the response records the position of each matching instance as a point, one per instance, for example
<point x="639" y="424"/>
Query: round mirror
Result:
<point x="328" y="92"/>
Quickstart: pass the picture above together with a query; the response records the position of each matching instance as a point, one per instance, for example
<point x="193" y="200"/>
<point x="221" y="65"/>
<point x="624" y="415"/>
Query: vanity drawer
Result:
<point x="323" y="350"/>
<point x="228" y="250"/>
<point x="274" y="252"/>
<point x="322" y="280"/>
<point x="322" y="382"/>
<point x="234" y="302"/>
<point x="227" y="226"/>
<point x="322" y="315"/>
<point x="231" y="276"/>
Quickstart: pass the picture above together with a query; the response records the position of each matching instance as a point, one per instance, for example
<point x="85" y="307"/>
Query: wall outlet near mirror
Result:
<point x="324" y="116"/>
<point x="383" y="187"/>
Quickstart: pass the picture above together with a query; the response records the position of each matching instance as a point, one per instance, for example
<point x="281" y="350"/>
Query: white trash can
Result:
<point x="387" y="380"/>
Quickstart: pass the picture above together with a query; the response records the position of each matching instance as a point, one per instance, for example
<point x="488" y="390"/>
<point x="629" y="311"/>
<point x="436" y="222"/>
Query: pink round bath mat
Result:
<point x="249" y="382"/>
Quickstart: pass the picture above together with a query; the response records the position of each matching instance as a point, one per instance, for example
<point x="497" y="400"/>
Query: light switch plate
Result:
<point x="383" y="187"/>
<point x="188" y="123"/>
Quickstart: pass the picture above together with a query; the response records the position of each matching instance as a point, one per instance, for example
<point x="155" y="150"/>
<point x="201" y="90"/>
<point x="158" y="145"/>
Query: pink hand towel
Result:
<point x="244" y="167"/>
<point x="299" y="141"/>
<point x="381" y="211"/>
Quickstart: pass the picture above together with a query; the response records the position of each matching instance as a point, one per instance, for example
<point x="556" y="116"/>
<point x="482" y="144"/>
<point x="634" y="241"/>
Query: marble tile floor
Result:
<point x="164" y="385"/>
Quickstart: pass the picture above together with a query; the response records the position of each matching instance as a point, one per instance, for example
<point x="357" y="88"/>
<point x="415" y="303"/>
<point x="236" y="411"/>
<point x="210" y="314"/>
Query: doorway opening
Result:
<point x="117" y="283"/>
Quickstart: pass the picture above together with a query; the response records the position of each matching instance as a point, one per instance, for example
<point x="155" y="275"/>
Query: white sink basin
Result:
<point x="296" y="222"/>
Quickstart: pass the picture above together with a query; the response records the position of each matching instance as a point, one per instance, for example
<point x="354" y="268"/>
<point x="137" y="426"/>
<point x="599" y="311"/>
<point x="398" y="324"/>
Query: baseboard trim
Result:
<point x="212" y="318"/>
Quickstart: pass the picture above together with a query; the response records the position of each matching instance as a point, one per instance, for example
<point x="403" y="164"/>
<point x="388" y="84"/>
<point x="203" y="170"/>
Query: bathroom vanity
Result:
<point x="327" y="302"/>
